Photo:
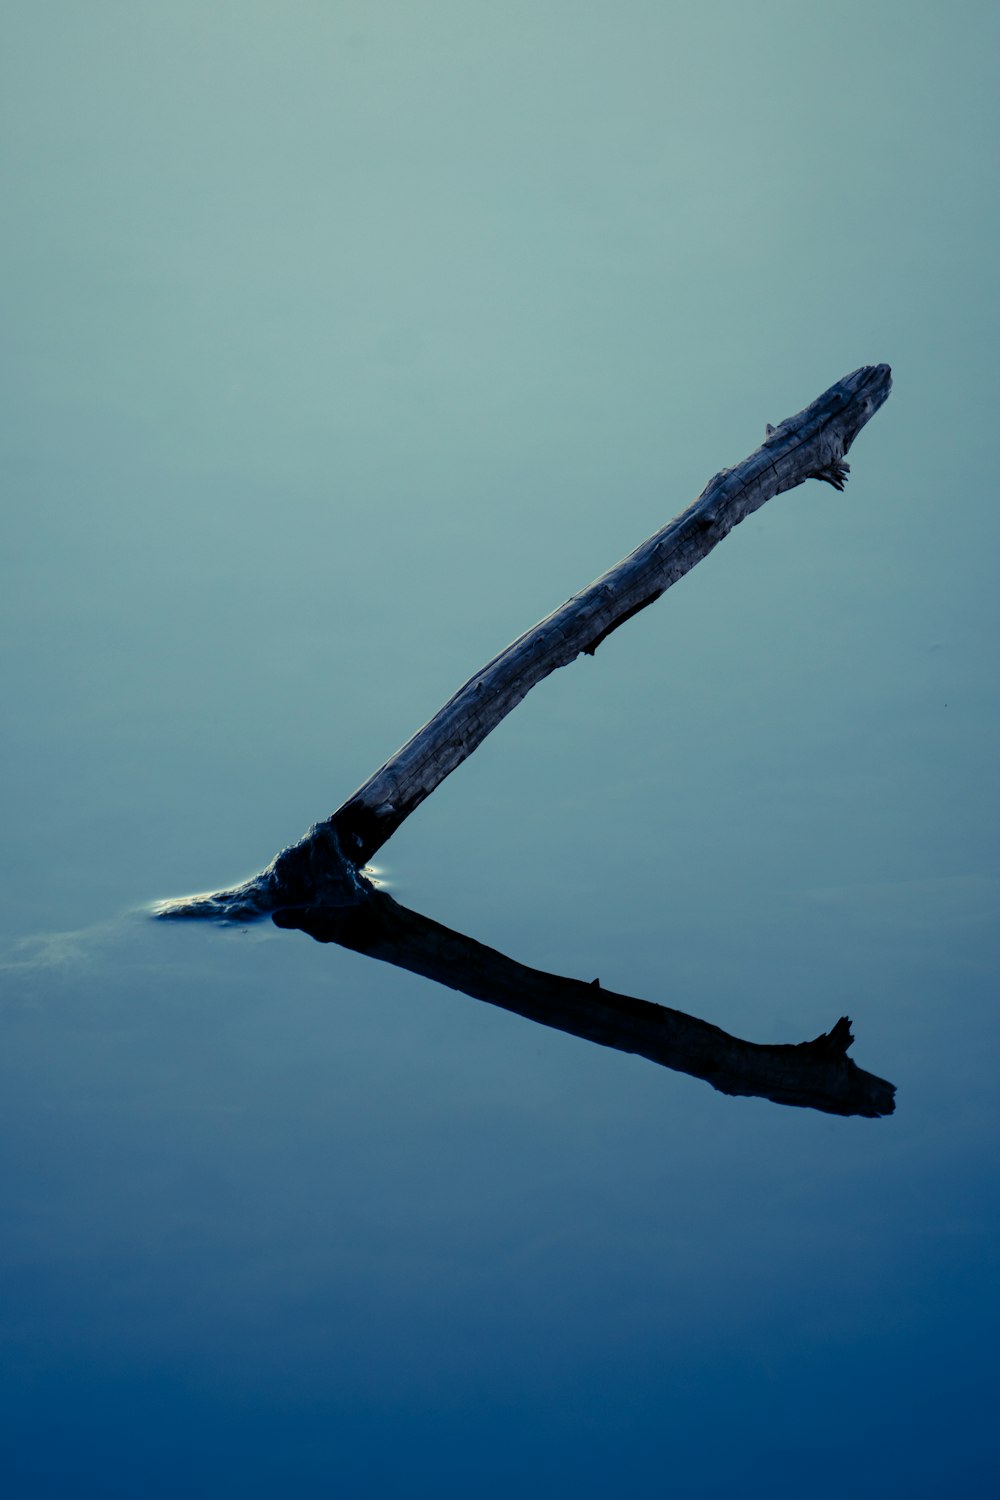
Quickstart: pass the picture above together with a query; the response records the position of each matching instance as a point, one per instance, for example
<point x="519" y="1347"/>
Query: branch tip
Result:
<point x="833" y="473"/>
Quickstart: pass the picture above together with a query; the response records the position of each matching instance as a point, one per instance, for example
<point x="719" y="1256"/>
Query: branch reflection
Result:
<point x="816" y="1074"/>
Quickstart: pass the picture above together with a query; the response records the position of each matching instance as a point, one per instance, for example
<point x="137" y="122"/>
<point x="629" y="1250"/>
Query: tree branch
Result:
<point x="323" y="867"/>
<point x="811" y="445"/>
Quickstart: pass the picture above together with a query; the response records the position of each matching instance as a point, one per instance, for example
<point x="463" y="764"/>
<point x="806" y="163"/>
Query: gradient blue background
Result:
<point x="341" y="342"/>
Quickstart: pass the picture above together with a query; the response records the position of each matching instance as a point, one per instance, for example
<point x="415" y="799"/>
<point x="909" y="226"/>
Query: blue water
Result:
<point x="341" y="344"/>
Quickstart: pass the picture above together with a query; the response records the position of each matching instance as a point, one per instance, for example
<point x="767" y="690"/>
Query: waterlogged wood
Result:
<point x="810" y="445"/>
<point x="323" y="867"/>
<point x="318" y="885"/>
<point x="816" y="1075"/>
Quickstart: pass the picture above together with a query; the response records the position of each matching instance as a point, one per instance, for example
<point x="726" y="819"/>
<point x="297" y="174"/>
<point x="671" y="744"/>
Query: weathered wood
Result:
<point x="816" y="1075"/>
<point x="811" y="445"/>
<point x="317" y="885"/>
<point x="323" y="867"/>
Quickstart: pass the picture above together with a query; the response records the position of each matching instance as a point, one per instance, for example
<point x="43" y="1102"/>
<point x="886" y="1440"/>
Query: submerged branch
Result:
<point x="322" y="867"/>
<point x="810" y="445"/>
<point x="318" y="884"/>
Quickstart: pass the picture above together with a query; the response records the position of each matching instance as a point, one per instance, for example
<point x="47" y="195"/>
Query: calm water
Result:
<point x="318" y="398"/>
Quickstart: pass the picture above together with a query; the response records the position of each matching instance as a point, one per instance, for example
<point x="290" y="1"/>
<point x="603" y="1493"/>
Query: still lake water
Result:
<point x="340" y="346"/>
<point x="287" y="1217"/>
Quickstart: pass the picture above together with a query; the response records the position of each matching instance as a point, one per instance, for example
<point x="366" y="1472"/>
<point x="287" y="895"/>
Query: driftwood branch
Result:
<point x="816" y="1074"/>
<point x="324" y="866"/>
<point x="318" y="884"/>
<point x="811" y="445"/>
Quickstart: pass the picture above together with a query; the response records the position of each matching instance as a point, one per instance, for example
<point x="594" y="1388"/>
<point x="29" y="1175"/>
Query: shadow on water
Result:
<point x="816" y="1074"/>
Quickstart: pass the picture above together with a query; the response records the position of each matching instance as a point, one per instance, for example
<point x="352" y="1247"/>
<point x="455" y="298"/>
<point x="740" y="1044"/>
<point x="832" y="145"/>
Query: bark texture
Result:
<point x="318" y="885"/>
<point x="323" y="866"/>
<point x="816" y="1074"/>
<point x="810" y="445"/>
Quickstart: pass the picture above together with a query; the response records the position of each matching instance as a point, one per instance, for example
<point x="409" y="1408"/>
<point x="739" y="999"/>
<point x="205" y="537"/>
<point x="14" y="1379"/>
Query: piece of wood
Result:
<point x="816" y="1075"/>
<point x="324" y="866"/>
<point x="810" y="445"/>
<point x="318" y="886"/>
